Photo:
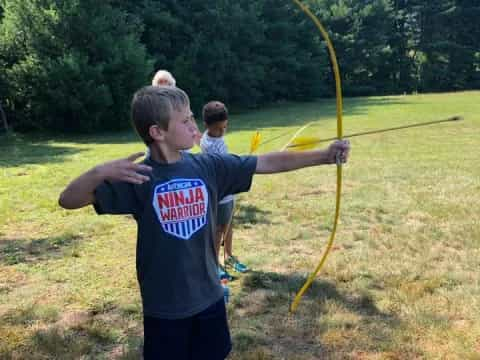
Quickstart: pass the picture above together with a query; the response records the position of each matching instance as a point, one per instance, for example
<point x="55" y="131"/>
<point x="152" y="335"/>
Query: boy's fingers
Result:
<point x="133" y="180"/>
<point x="341" y="149"/>
<point x="135" y="156"/>
<point x="136" y="178"/>
<point x="134" y="174"/>
<point x="141" y="167"/>
<point x="145" y="178"/>
<point x="344" y="144"/>
<point x="338" y="157"/>
<point x="140" y="177"/>
<point x="341" y="154"/>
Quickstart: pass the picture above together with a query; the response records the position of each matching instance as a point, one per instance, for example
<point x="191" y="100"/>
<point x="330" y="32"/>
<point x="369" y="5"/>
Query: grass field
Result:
<point x="402" y="281"/>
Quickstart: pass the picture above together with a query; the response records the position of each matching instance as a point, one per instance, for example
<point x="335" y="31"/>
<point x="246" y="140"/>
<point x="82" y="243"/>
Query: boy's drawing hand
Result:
<point x="125" y="170"/>
<point x="338" y="151"/>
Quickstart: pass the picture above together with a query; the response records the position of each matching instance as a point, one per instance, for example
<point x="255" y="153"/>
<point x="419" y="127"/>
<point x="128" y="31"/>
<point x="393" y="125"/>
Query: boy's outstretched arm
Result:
<point x="81" y="191"/>
<point x="285" y="161"/>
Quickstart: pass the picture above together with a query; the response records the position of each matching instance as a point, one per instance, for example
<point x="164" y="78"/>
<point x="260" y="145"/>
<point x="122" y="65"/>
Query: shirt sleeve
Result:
<point x="116" y="198"/>
<point x="234" y="173"/>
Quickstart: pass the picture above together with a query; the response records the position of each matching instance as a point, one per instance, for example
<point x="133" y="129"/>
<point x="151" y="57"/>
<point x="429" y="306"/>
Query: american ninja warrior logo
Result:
<point x="181" y="206"/>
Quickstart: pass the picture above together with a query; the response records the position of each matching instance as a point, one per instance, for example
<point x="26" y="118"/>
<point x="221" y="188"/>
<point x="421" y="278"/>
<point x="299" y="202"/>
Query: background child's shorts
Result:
<point x="225" y="212"/>
<point x="202" y="336"/>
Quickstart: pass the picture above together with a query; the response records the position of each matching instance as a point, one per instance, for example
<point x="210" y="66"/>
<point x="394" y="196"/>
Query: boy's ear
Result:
<point x="156" y="133"/>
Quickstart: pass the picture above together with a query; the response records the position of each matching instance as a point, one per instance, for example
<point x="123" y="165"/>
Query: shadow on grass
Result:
<point x="247" y="216"/>
<point x="17" y="150"/>
<point x="17" y="251"/>
<point x="261" y="326"/>
<point x="101" y="332"/>
<point x="320" y="291"/>
<point x="328" y="322"/>
<point x="89" y="340"/>
<point x="298" y="114"/>
<point x="39" y="148"/>
<point x="125" y="136"/>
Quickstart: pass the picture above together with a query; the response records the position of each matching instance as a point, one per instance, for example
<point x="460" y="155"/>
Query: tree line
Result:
<point x="72" y="65"/>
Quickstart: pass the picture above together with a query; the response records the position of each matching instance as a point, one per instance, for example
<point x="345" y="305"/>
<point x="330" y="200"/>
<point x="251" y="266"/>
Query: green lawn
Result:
<point x="402" y="281"/>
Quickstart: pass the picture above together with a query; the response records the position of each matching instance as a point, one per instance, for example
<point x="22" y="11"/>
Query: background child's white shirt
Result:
<point x="215" y="145"/>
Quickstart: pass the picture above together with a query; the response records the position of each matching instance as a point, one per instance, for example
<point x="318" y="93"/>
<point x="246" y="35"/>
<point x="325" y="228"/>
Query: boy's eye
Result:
<point x="188" y="119"/>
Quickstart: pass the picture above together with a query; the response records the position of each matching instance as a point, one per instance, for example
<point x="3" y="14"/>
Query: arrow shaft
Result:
<point x="453" y="118"/>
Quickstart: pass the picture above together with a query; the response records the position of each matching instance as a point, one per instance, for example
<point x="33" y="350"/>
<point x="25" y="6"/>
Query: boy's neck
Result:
<point x="164" y="155"/>
<point x="213" y="136"/>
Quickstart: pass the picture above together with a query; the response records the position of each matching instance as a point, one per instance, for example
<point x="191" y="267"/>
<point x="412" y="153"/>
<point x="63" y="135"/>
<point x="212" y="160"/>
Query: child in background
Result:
<point x="215" y="118"/>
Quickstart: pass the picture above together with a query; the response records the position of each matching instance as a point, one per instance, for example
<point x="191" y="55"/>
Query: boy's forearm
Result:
<point x="81" y="191"/>
<point x="285" y="161"/>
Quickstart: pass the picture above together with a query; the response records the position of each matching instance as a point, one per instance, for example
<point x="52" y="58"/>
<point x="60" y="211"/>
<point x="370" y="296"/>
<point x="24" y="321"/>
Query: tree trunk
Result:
<point x="4" y="118"/>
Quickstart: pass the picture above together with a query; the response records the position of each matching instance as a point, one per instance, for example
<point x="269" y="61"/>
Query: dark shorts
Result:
<point x="225" y="213"/>
<point x="202" y="336"/>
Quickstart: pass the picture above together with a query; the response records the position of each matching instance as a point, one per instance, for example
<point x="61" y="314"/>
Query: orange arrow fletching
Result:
<point x="303" y="143"/>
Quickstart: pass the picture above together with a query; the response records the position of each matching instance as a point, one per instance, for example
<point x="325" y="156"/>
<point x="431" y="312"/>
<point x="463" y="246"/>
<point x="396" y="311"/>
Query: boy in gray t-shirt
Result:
<point x="173" y="197"/>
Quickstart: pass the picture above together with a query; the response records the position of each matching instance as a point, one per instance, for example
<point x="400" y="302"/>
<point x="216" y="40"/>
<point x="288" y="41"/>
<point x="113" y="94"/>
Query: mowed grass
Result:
<point x="402" y="281"/>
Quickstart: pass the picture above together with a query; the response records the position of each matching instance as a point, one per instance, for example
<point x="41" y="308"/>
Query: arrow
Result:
<point x="303" y="143"/>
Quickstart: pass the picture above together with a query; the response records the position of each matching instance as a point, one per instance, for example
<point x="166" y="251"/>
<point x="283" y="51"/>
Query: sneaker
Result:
<point x="223" y="274"/>
<point x="236" y="265"/>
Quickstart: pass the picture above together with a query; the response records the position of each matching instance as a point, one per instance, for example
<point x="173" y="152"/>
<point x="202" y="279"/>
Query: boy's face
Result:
<point x="182" y="130"/>
<point x="217" y="129"/>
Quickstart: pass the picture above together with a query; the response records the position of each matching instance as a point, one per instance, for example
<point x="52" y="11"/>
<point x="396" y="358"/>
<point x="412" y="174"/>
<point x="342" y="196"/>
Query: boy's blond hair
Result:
<point x="153" y="105"/>
<point x="163" y="78"/>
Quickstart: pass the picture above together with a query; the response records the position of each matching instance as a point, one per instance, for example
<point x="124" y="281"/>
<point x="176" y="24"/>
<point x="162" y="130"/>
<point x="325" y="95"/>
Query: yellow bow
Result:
<point x="338" y="91"/>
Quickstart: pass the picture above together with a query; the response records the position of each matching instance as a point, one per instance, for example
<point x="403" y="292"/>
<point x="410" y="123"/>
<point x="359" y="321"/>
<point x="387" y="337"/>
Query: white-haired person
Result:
<point x="163" y="78"/>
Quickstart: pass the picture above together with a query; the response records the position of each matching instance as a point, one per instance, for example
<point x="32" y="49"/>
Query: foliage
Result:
<point x="70" y="65"/>
<point x="73" y="65"/>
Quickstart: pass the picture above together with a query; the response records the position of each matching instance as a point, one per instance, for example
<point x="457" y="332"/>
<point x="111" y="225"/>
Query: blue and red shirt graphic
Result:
<point x="181" y="206"/>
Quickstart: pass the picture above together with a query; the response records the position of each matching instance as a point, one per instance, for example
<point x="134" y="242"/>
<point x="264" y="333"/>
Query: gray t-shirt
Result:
<point x="175" y="214"/>
<point x="215" y="145"/>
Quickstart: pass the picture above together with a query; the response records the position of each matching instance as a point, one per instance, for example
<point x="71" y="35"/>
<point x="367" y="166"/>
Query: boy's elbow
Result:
<point x="63" y="201"/>
<point x="68" y="202"/>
